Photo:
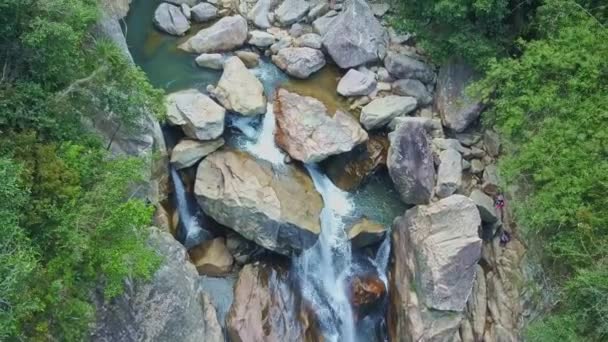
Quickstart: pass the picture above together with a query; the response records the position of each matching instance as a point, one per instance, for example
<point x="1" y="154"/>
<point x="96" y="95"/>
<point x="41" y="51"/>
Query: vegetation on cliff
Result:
<point x="69" y="225"/>
<point x="545" y="65"/>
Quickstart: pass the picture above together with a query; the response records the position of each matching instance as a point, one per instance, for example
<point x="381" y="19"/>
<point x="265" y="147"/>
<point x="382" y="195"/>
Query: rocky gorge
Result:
<point x="342" y="183"/>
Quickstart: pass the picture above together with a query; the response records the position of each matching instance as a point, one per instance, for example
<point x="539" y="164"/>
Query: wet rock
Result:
<point x="307" y="132"/>
<point x="410" y="163"/>
<point x="355" y="37"/>
<point x="210" y="60"/>
<point x="311" y="40"/>
<point x="406" y="67"/>
<point x="491" y="140"/>
<point x="212" y="258"/>
<point x="276" y="208"/>
<point x="477" y="304"/>
<point x="382" y="110"/>
<point x="259" y="13"/>
<point x="200" y="117"/>
<point x="349" y="170"/>
<point x="204" y="12"/>
<point x="226" y="34"/>
<point x="291" y="11"/>
<point x="356" y="83"/>
<point x="299" y="62"/>
<point x="265" y="308"/>
<point x="366" y="291"/>
<point x="241" y="249"/>
<point x="169" y="307"/>
<point x="457" y="110"/>
<point x="239" y="90"/>
<point x="449" y="175"/>
<point x="366" y="232"/>
<point x="250" y="59"/>
<point x="485" y="204"/>
<point x="171" y="19"/>
<point x="414" y="88"/>
<point x="188" y="152"/>
<point x="261" y="39"/>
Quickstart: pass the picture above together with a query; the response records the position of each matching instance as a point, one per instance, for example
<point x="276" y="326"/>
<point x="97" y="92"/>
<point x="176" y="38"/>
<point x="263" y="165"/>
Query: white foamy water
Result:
<point x="194" y="232"/>
<point x="382" y="257"/>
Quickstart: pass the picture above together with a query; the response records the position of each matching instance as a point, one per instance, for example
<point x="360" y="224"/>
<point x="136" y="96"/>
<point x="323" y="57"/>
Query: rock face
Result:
<point x="355" y="37"/>
<point x="356" y="83"/>
<point x="410" y="163"/>
<point x="265" y="308"/>
<point x="212" y="258"/>
<point x="239" y="90"/>
<point x="291" y="11"/>
<point x="307" y="131"/>
<point x="457" y="110"/>
<point x="449" y="175"/>
<point x="226" y="34"/>
<point x="436" y="249"/>
<point x="413" y="88"/>
<point x="188" y="152"/>
<point x="171" y="19"/>
<point x="276" y="208"/>
<point x="348" y="170"/>
<point x="299" y="62"/>
<point x="200" y="117"/>
<point x="402" y="66"/>
<point x="382" y="110"/>
<point x="204" y="12"/>
<point x="168" y="308"/>
<point x="366" y="291"/>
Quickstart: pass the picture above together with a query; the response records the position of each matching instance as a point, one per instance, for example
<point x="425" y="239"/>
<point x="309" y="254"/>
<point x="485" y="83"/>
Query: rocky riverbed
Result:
<point x="314" y="142"/>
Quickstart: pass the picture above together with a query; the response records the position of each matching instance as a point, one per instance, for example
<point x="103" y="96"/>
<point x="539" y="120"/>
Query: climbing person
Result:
<point x="499" y="204"/>
<point x="505" y="237"/>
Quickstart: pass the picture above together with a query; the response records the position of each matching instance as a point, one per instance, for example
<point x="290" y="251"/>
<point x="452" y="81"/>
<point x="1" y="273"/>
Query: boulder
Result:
<point x="276" y="208"/>
<point x="307" y="132"/>
<point x="259" y="13"/>
<point x="414" y="88"/>
<point x="403" y="66"/>
<point x="283" y="43"/>
<point x="200" y="117"/>
<point x="241" y="249"/>
<point x="382" y="110"/>
<point x="188" y="152"/>
<point x="485" y="204"/>
<point x="299" y="62"/>
<point x="168" y="307"/>
<point x="239" y="90"/>
<point x="266" y="308"/>
<point x="366" y="232"/>
<point x="457" y="110"/>
<point x="449" y="175"/>
<point x="204" y="12"/>
<point x="349" y="170"/>
<point x="356" y="83"/>
<point x="226" y="34"/>
<point x="366" y="291"/>
<point x="355" y="37"/>
<point x="212" y="258"/>
<point x="186" y="10"/>
<point x="410" y="163"/>
<point x="291" y="11"/>
<point x="322" y="24"/>
<point x="249" y="58"/>
<point x="210" y="60"/>
<point x="261" y="39"/>
<point x="170" y="19"/>
<point x="311" y="40"/>
<point x="491" y="141"/>
<point x="477" y="166"/>
<point x="491" y="181"/>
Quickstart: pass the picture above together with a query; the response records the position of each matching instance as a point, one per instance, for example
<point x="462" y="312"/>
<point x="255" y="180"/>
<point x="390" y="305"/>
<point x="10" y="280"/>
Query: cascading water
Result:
<point x="381" y="260"/>
<point x="192" y="233"/>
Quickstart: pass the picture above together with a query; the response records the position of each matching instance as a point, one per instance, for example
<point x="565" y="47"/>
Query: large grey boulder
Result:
<point x="322" y="24"/>
<point x="291" y="11"/>
<point x="403" y="66"/>
<point x="204" y="12"/>
<point x="410" y="163"/>
<point x="307" y="132"/>
<point x="299" y="62"/>
<point x="169" y="307"/>
<point x="170" y="19"/>
<point x="414" y="88"/>
<point x="449" y="175"/>
<point x="188" y="152"/>
<point x="259" y="13"/>
<point x="457" y="109"/>
<point x="200" y="117"/>
<point x="355" y="37"/>
<point x="277" y="208"/>
<point x="226" y="34"/>
<point x="239" y="89"/>
<point x="485" y="204"/>
<point x="381" y="111"/>
<point x="356" y="83"/>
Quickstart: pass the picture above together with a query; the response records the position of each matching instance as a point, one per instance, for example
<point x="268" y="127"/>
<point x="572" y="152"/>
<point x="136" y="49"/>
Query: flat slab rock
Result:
<point x="225" y="35"/>
<point x="299" y="62"/>
<point x="309" y="133"/>
<point x="170" y="19"/>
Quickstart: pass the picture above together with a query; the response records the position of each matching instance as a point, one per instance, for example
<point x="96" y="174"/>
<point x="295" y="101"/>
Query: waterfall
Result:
<point x="324" y="268"/>
<point x="192" y="233"/>
<point x="382" y="257"/>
